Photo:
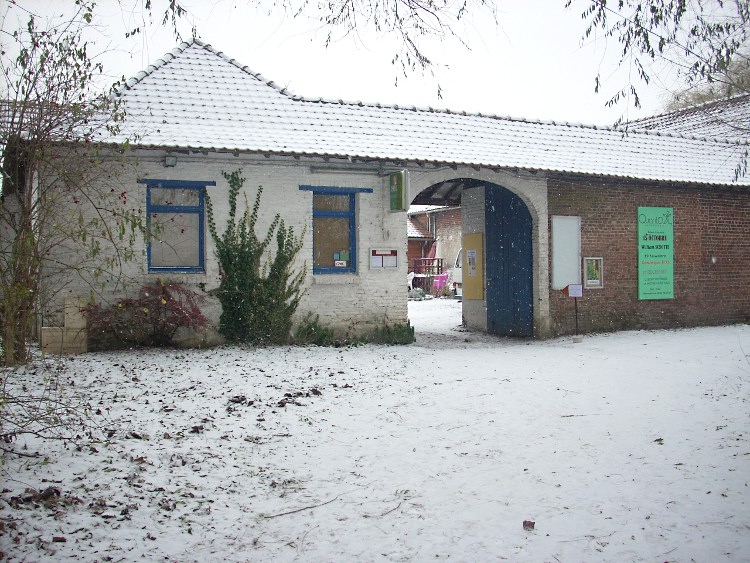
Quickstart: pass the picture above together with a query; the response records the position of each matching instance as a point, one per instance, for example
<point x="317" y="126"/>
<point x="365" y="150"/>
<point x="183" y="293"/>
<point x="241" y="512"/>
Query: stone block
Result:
<point x="74" y="318"/>
<point x="57" y="340"/>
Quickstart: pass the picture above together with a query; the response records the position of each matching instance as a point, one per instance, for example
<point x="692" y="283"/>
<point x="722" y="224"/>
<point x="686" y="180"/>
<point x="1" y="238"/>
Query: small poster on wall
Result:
<point x="471" y="262"/>
<point x="593" y="269"/>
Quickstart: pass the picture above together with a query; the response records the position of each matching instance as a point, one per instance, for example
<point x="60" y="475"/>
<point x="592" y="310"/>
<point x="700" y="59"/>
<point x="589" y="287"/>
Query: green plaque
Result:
<point x="398" y="182"/>
<point x="655" y="253"/>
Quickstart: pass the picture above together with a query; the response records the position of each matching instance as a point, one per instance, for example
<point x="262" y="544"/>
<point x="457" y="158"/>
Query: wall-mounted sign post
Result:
<point x="655" y="253"/>
<point x="574" y="290"/>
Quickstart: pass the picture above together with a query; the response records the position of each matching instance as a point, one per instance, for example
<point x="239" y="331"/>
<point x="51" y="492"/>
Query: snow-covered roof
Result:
<point x="720" y="119"/>
<point x="415" y="230"/>
<point x="198" y="98"/>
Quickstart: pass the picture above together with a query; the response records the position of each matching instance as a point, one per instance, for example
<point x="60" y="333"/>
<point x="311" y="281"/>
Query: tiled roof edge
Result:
<point x="661" y="133"/>
<point x="653" y="120"/>
<point x="691" y="109"/>
<point x="158" y="64"/>
<point x="418" y="161"/>
<point x="433" y="209"/>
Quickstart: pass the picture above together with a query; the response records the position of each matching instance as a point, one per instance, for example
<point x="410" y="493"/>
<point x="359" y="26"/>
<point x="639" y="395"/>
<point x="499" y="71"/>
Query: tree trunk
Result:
<point x="9" y="337"/>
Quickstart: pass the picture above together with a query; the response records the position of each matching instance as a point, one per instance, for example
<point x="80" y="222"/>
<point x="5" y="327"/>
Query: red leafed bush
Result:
<point x="151" y="319"/>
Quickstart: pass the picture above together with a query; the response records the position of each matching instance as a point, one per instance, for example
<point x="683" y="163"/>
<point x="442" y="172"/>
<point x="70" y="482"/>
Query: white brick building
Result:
<point x="325" y="166"/>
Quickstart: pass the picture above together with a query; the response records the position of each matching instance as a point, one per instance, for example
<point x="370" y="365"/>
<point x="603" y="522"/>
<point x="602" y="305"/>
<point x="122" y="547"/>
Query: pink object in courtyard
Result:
<point x="440" y="281"/>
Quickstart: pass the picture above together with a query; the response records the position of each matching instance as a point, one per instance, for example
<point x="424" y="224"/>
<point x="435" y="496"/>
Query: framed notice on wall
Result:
<point x="383" y="258"/>
<point x="655" y="253"/>
<point x="593" y="272"/>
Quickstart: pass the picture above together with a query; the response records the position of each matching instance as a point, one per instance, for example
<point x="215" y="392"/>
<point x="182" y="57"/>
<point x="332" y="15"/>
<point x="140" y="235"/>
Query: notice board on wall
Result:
<point x="383" y="258"/>
<point x="655" y="253"/>
<point x="473" y="267"/>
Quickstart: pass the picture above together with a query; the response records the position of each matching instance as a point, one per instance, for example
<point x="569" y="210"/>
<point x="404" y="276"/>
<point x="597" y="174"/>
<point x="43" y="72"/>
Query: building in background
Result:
<point x="434" y="241"/>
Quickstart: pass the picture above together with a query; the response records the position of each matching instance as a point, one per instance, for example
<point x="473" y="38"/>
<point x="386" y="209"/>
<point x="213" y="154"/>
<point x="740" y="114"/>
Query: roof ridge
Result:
<point x="573" y="125"/>
<point x="158" y="63"/>
<point x="694" y="108"/>
<point x="184" y="46"/>
<point x="673" y="135"/>
<point x="447" y="111"/>
<point x="718" y="120"/>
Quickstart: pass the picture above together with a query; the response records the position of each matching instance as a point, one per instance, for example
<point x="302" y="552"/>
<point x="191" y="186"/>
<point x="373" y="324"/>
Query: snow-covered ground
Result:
<point x="624" y="447"/>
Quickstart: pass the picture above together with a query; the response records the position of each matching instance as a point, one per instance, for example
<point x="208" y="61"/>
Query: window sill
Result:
<point x="189" y="277"/>
<point x="335" y="279"/>
<point x="175" y="271"/>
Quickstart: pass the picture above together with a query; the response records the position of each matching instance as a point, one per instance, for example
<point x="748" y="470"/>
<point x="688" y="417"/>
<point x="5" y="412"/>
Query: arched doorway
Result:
<point x="508" y="263"/>
<point x="505" y="214"/>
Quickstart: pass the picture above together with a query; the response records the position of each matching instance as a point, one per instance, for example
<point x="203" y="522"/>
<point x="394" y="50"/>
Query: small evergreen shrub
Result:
<point x="310" y="331"/>
<point x="396" y="334"/>
<point x="258" y="299"/>
<point x="151" y="319"/>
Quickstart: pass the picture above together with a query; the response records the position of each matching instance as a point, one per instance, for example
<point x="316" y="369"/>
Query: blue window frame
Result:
<point x="176" y="225"/>
<point x="334" y="229"/>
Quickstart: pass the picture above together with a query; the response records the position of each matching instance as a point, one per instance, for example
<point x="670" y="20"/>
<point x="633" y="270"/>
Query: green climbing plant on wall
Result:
<point x="259" y="290"/>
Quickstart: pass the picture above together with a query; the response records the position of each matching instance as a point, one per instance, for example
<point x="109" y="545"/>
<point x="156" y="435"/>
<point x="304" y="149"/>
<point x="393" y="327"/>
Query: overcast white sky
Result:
<point x="533" y="65"/>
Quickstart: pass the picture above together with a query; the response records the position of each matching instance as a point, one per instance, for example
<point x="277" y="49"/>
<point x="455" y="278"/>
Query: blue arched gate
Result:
<point x="508" y="260"/>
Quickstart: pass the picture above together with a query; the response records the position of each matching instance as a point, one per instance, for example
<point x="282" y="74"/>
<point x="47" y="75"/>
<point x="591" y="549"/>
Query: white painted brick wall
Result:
<point x="351" y="303"/>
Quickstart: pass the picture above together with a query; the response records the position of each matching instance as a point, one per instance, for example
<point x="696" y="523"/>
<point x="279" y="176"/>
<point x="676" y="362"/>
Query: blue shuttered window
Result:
<point x="176" y="225"/>
<point x="334" y="229"/>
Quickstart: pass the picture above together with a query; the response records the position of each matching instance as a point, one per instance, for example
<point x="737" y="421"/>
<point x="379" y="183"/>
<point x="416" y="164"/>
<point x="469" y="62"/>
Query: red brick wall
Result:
<point x="414" y="251"/>
<point x="448" y="231"/>
<point x="421" y="220"/>
<point x="448" y="219"/>
<point x="708" y="222"/>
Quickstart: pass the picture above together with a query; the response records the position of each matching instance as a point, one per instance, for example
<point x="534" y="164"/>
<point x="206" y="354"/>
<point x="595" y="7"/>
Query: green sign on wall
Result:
<point x="655" y="253"/>
<point x="399" y="188"/>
